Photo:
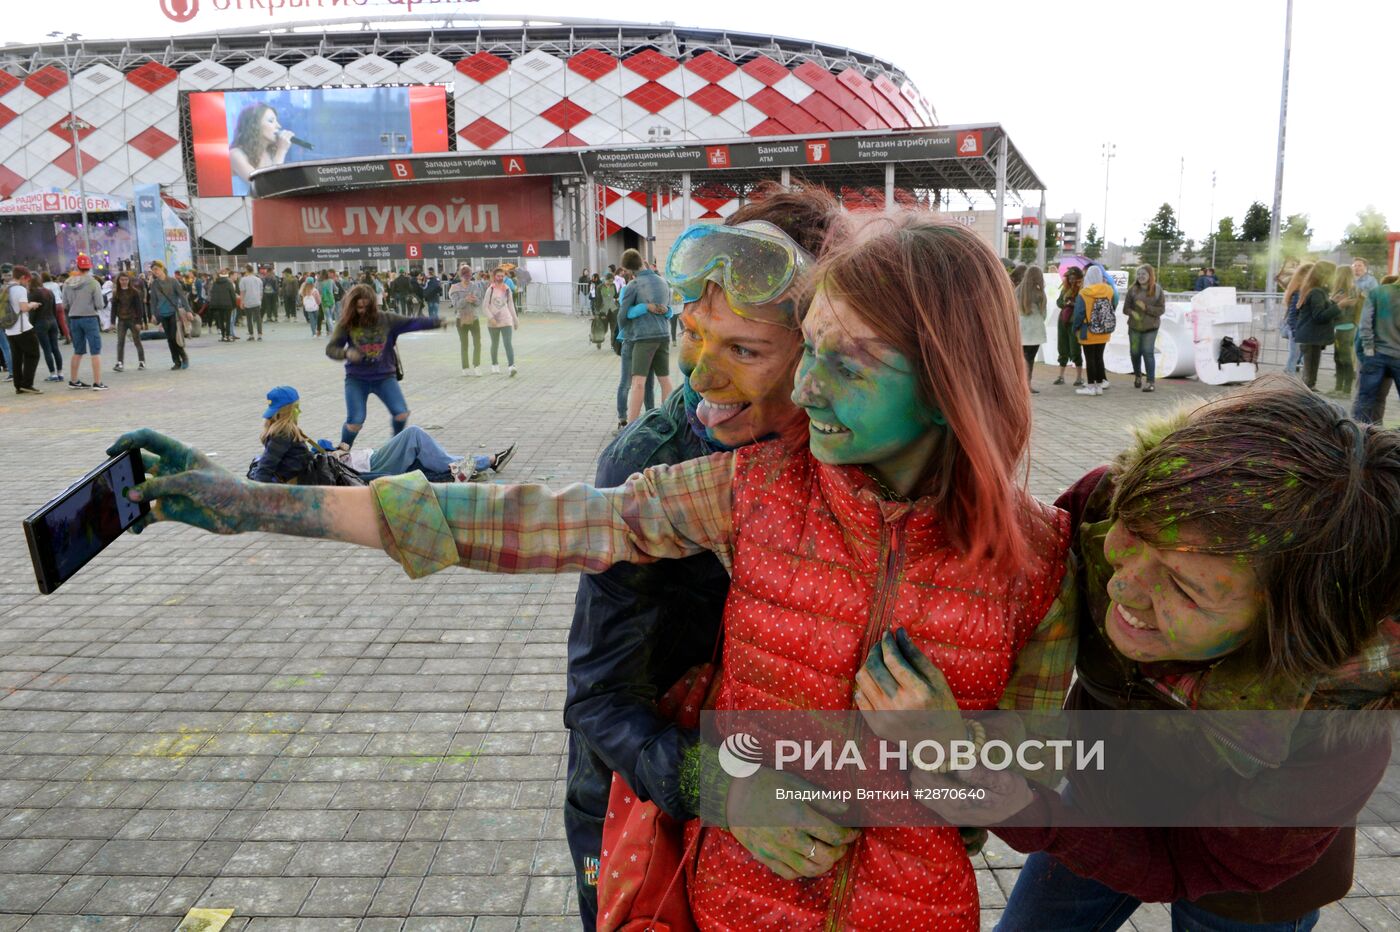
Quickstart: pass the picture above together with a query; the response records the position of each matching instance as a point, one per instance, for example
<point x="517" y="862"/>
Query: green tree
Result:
<point x="1027" y="250"/>
<point x="1295" y="235"/>
<point x="1188" y="250"/>
<point x="1255" y="228"/>
<point x="1161" y="237"/>
<point x="1093" y="243"/>
<point x="1221" y="246"/>
<point x="1366" y="239"/>
<point x="1052" y="237"/>
<point x="1369" y="228"/>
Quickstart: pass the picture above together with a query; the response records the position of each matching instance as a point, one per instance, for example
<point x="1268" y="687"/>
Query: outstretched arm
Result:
<point x="662" y="513"/>
<point x="186" y="486"/>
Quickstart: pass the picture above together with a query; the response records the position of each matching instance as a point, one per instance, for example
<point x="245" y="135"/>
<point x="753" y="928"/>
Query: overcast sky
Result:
<point x="1192" y="79"/>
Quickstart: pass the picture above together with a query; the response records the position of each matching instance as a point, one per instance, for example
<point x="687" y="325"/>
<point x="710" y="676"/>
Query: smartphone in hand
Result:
<point x="78" y="524"/>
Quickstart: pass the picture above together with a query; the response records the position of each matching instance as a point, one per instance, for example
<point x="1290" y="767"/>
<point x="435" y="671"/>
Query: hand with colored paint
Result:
<point x="184" y="485"/>
<point x="795" y="838"/>
<point x="1002" y="793"/>
<point x="898" y="677"/>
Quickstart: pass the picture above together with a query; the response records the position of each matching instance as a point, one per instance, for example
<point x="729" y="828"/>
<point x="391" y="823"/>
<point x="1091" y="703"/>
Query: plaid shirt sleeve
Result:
<point x="666" y="512"/>
<point x="1041" y="673"/>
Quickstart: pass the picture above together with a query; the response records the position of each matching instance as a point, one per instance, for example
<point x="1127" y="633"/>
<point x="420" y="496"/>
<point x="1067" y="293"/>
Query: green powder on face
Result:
<point x="1170" y="533"/>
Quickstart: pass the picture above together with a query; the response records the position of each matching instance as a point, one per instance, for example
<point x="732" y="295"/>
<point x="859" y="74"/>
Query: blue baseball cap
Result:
<point x="278" y="398"/>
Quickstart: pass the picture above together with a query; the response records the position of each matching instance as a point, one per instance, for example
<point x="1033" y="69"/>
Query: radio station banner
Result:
<point x="236" y="133"/>
<point x="504" y="210"/>
<point x="777" y="152"/>
<point x="399" y="252"/>
<point x="55" y="201"/>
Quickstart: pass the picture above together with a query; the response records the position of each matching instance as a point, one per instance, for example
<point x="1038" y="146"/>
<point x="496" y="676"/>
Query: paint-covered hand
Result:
<point x="972" y="797"/>
<point x="899" y="678"/>
<point x="789" y="837"/>
<point x="184" y="485"/>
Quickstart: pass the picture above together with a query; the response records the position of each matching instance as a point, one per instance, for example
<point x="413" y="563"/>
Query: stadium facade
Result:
<point x="581" y="86"/>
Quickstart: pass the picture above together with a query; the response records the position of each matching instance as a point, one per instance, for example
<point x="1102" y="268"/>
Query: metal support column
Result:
<point x="1044" y="234"/>
<point x="685" y="198"/>
<point x="1002" y="145"/>
<point x="1270" y="286"/>
<point x="651" y="220"/>
<point x="785" y="179"/>
<point x="590" y="215"/>
<point x="889" y="188"/>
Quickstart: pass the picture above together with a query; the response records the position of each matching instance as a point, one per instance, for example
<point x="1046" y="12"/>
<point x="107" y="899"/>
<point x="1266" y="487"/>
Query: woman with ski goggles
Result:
<point x="902" y="509"/>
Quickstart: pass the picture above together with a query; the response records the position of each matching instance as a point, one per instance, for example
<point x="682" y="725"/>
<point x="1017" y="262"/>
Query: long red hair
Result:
<point x="937" y="294"/>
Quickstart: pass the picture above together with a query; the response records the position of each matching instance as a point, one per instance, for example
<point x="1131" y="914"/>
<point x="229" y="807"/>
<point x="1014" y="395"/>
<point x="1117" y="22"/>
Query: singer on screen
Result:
<point x="259" y="141"/>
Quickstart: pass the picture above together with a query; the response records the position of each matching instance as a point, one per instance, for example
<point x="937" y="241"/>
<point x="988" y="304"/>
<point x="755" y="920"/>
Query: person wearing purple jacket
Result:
<point x="365" y="338"/>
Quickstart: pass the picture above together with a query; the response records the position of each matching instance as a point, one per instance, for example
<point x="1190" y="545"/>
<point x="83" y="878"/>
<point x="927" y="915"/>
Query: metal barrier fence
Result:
<point x="1266" y="320"/>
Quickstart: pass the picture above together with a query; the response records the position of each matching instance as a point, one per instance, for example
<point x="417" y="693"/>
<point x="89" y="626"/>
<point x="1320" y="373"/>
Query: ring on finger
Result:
<point x="813" y="853"/>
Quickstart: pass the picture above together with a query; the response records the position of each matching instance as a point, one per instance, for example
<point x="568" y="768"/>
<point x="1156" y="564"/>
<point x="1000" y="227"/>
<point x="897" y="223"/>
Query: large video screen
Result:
<point x="238" y="132"/>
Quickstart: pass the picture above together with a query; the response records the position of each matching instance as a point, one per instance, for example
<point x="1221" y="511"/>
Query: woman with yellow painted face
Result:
<point x="902" y="508"/>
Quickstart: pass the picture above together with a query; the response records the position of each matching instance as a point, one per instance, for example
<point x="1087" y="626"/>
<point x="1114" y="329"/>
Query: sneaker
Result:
<point x="141" y="364"/>
<point x="119" y="367"/>
<point x="1137" y="380"/>
<point x="1059" y="381"/>
<point x="185" y="364"/>
<point x="621" y="423"/>
<point x="54" y="378"/>
<point x="495" y="370"/>
<point x="513" y="371"/>
<point x="28" y="391"/>
<point x="1149" y="387"/>
<point x="175" y="368"/>
<point x="498" y="462"/>
<point x="1034" y="390"/>
<point x="1078" y="383"/>
<point x="260" y="338"/>
<point x="477" y="372"/>
<point x="1103" y="385"/>
<point x="78" y="383"/>
<point x="8" y="377"/>
<point x="98" y="387"/>
<point x="1086" y="390"/>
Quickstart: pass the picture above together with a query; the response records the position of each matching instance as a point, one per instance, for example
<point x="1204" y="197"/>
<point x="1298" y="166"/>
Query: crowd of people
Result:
<point x="829" y="514"/>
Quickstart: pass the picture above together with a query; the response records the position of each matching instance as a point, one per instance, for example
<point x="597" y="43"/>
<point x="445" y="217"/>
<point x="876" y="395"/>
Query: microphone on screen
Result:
<point x="298" y="141"/>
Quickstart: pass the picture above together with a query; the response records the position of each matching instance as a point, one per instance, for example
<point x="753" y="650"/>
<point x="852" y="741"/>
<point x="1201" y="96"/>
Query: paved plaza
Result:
<point x="295" y="730"/>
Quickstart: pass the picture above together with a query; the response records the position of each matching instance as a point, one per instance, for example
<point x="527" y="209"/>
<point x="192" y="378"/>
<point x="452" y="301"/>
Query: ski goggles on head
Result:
<point x="755" y="263"/>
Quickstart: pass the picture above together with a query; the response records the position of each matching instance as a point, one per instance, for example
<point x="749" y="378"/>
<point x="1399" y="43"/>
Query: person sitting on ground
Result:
<point x="287" y="450"/>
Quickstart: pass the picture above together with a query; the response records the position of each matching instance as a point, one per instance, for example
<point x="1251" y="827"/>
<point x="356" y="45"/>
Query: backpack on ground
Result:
<point x="1229" y="352"/>
<point x="1102" y="319"/>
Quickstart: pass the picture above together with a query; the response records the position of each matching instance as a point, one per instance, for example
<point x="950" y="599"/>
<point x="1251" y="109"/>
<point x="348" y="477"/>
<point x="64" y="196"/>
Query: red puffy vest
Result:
<point x="822" y="568"/>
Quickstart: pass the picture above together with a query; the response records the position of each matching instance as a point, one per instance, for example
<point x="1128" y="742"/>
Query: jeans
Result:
<point x="134" y="328"/>
<point x="1312" y="356"/>
<point x="1093" y="363"/>
<point x="1295" y="355"/>
<point x="470" y="334"/>
<point x="414" y="448"/>
<point x="502" y="334"/>
<point x="1142" y="348"/>
<point x="357" y="392"/>
<point x="254" y="315"/>
<point x="1376" y="371"/>
<point x="1049" y="897"/>
<point x="48" y="342"/>
<point x="172" y="339"/>
<point x="313" y="321"/>
<point x="433" y="309"/>
<point x="625" y="384"/>
<point x="5" y="353"/>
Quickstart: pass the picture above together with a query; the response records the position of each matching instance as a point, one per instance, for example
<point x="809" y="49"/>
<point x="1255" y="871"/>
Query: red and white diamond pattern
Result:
<point x="535" y="101"/>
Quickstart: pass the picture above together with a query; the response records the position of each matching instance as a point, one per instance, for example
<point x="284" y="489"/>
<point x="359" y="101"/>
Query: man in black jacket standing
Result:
<point x="637" y="629"/>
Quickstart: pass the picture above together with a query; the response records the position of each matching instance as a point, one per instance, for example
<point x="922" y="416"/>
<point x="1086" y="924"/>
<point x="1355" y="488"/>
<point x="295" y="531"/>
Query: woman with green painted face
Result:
<point x="1227" y="564"/>
<point x="904" y="512"/>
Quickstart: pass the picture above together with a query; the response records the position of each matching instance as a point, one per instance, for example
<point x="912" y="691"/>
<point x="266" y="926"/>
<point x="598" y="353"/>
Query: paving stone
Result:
<point x="343" y="859"/>
<point x="463" y="895"/>
<point x="258" y="896"/>
<point x="25" y="893"/>
<point x="340" y="896"/>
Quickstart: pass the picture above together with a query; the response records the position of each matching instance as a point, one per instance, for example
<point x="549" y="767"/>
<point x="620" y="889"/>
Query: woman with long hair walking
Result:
<point x="130" y="312"/>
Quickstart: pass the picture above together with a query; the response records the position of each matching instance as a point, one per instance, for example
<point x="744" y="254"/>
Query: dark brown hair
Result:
<point x="1284" y="479"/>
<point x="351" y="313"/>
<point x="807" y="215"/>
<point x="631" y="260"/>
<point x="938" y="295"/>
